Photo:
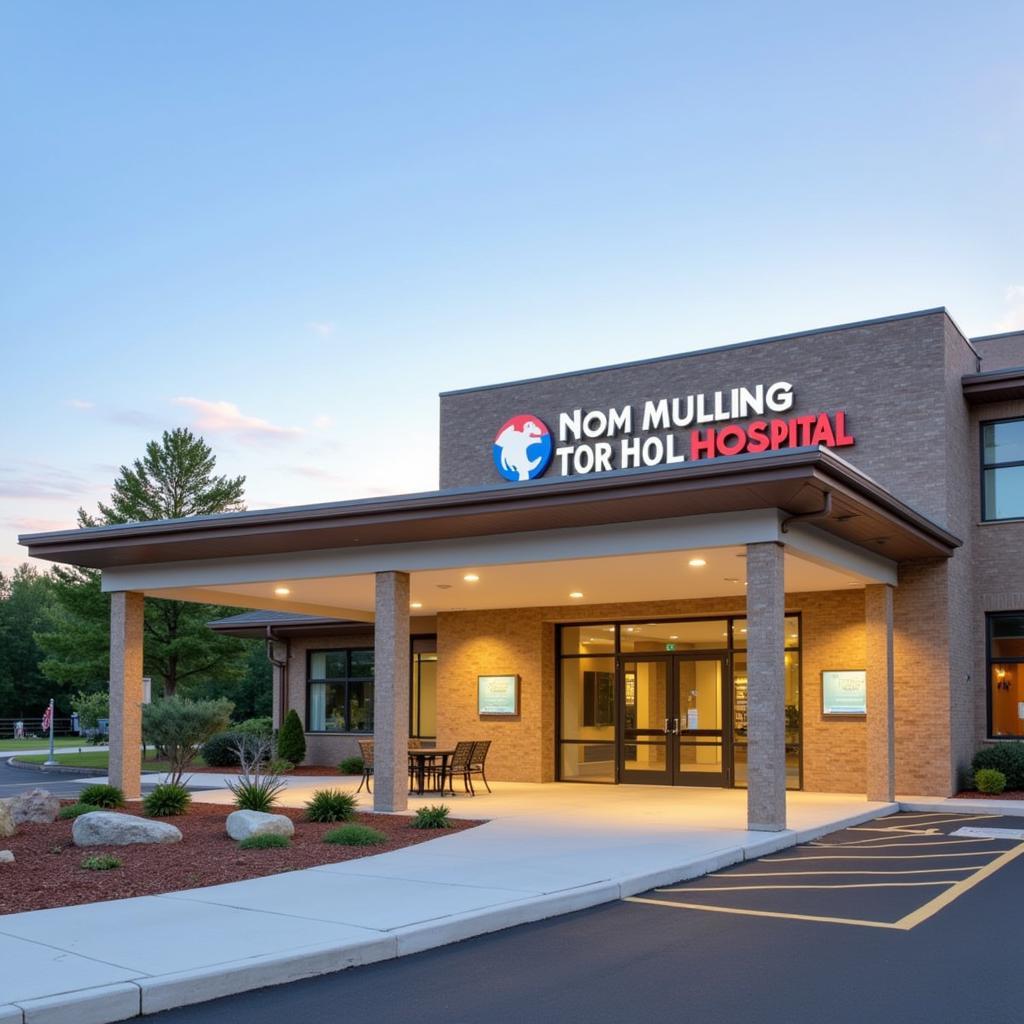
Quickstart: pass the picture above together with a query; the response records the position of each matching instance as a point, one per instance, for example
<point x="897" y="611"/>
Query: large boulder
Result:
<point x="106" y="828"/>
<point x="37" y="807"/>
<point x="243" y="824"/>
<point x="7" y="826"/>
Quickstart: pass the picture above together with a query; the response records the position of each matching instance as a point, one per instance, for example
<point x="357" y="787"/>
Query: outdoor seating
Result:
<point x="478" y="761"/>
<point x="366" y="753"/>
<point x="459" y="765"/>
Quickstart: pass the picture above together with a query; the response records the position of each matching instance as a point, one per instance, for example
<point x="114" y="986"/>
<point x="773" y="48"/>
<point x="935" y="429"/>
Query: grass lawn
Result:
<point x="99" y="759"/>
<point x="13" y="746"/>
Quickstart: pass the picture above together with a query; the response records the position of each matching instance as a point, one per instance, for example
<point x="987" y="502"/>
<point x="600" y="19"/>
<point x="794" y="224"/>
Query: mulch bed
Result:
<point x="47" y="871"/>
<point x="302" y="769"/>
<point x="974" y="794"/>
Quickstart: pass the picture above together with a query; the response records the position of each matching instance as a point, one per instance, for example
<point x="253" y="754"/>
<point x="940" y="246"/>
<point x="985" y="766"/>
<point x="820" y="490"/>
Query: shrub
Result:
<point x="355" y="835"/>
<point x="265" y="842"/>
<point x="331" y="805"/>
<point x="280" y="767"/>
<point x="434" y="816"/>
<point x="166" y="800"/>
<point x="351" y="766"/>
<point x="220" y="751"/>
<point x="74" y="810"/>
<point x="181" y="726"/>
<point x="291" y="740"/>
<point x="90" y="708"/>
<point x="99" y="794"/>
<point x="101" y="862"/>
<point x="256" y="789"/>
<point x="1007" y="758"/>
<point x="989" y="780"/>
<point x="256" y="727"/>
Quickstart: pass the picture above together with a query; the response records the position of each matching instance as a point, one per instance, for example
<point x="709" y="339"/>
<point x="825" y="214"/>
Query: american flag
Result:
<point x="48" y="716"/>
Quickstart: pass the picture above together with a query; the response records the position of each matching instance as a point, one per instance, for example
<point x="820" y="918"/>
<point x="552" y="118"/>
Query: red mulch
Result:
<point x="974" y="794"/>
<point x="47" y="871"/>
<point x="302" y="769"/>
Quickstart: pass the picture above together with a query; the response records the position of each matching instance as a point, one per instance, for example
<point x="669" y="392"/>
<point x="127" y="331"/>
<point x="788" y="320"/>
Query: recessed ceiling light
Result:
<point x="416" y="604"/>
<point x="576" y="594"/>
<point x="282" y="591"/>
<point x="674" y="636"/>
<point x="471" y="577"/>
<point x="696" y="563"/>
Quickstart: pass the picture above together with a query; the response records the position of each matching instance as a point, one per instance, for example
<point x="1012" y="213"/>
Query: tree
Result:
<point x="26" y="598"/>
<point x="175" y="478"/>
<point x="180" y="727"/>
<point x="291" y="740"/>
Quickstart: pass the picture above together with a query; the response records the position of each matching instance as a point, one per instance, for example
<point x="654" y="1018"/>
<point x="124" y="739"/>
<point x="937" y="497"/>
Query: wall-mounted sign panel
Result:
<point x="498" y="695"/>
<point x="844" y="692"/>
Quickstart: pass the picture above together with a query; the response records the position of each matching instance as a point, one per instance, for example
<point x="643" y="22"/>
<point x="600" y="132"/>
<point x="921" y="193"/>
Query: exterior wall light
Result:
<point x="471" y="577"/>
<point x="282" y="591"/>
<point x="576" y="594"/>
<point x="697" y="563"/>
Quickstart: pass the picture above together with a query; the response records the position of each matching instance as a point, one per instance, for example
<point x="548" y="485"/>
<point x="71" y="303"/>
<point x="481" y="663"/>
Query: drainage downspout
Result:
<point x="808" y="517"/>
<point x="283" y="666"/>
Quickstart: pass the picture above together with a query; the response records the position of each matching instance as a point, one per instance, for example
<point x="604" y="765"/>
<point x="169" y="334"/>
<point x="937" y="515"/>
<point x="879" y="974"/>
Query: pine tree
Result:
<point x="291" y="740"/>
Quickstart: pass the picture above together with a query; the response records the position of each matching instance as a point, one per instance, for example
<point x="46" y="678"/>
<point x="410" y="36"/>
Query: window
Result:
<point x="340" y="691"/>
<point x="1006" y="675"/>
<point x="1002" y="458"/>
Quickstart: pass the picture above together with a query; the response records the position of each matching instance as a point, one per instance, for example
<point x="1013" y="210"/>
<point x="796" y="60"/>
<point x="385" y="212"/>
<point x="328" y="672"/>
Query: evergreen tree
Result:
<point x="26" y="597"/>
<point x="175" y="478"/>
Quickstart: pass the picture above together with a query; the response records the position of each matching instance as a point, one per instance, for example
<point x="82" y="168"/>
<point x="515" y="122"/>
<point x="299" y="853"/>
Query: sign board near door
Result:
<point x="498" y="695"/>
<point x="844" y="692"/>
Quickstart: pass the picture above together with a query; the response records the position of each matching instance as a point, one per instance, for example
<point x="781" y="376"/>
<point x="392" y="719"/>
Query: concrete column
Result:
<point x="766" y="688"/>
<point x="881" y="741"/>
<point x="391" y="693"/>
<point x="126" y="615"/>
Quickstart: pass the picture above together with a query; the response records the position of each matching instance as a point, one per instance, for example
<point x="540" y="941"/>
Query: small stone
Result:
<point x="6" y="857"/>
<point x="105" y="828"/>
<point x="7" y="826"/>
<point x="243" y="824"/>
<point x="37" y="807"/>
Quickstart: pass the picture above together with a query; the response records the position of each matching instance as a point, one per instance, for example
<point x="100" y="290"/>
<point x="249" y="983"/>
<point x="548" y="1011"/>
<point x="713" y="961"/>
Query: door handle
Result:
<point x="675" y="726"/>
<point x="668" y="732"/>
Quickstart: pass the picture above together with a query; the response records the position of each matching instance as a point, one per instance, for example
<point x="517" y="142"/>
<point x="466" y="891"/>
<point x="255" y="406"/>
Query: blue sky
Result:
<point x="291" y="225"/>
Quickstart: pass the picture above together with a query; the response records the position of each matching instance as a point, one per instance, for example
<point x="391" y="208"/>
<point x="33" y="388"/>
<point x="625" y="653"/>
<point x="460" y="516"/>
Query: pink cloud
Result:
<point x="227" y="418"/>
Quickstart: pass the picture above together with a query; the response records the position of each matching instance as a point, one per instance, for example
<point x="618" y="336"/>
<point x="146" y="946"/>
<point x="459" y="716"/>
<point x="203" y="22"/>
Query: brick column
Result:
<point x="126" y="612"/>
<point x="766" y="688"/>
<point x="391" y="693"/>
<point x="881" y="743"/>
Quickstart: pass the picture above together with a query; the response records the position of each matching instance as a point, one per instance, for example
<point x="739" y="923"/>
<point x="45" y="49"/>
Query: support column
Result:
<point x="391" y="693"/>
<point x="766" y="688"/>
<point x="881" y="739"/>
<point x="126" y="616"/>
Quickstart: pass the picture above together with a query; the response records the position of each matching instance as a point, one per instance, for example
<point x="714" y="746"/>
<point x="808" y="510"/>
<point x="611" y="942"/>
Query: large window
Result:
<point x="1006" y="675"/>
<point x="1002" y="455"/>
<point x="423" y="690"/>
<point x="340" y="691"/>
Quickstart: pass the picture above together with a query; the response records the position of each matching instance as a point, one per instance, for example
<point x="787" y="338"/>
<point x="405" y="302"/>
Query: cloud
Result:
<point x="227" y="418"/>
<point x="37" y="480"/>
<point x="31" y="524"/>
<point x="1013" y="320"/>
<point x="322" y="327"/>
<point x="80" y="403"/>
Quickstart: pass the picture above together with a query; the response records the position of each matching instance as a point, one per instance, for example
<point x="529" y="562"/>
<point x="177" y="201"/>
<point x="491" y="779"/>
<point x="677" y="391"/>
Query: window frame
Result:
<point x="346" y="681"/>
<point x="986" y="466"/>
<point x="990" y="619"/>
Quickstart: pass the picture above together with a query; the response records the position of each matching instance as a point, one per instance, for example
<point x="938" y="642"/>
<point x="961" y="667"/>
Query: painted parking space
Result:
<point x="891" y="873"/>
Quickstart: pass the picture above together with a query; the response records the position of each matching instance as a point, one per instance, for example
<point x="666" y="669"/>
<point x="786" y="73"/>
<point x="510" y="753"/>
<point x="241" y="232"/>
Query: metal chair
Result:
<point x="459" y="764"/>
<point x="366" y="753"/>
<point x="477" y="763"/>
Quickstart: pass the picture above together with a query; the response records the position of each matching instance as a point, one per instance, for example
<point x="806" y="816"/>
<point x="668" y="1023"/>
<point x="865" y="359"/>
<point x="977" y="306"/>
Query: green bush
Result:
<point x="1007" y="758"/>
<point x="434" y="816"/>
<point x="99" y="794"/>
<point x="351" y="766"/>
<point x="74" y="810"/>
<point x="220" y="751"/>
<point x="291" y="740"/>
<point x="181" y="726"/>
<point x="166" y="801"/>
<point x="279" y="766"/>
<point x="355" y="835"/>
<point x="331" y="805"/>
<point x="989" y="780"/>
<point x="264" y="842"/>
<point x="256" y="793"/>
<point x="90" y="708"/>
<point x="256" y="727"/>
<point x="101" y="862"/>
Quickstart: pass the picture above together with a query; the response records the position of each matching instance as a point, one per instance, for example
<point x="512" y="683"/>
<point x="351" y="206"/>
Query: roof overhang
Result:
<point x="794" y="481"/>
<point x="994" y="386"/>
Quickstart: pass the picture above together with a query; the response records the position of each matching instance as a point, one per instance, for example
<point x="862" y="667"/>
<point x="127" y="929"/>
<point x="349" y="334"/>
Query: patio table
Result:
<point x="418" y="759"/>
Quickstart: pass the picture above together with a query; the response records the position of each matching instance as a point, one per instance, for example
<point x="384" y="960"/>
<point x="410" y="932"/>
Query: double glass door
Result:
<point x="673" y="710"/>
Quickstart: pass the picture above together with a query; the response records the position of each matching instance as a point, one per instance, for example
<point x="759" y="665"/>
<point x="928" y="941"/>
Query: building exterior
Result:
<point x="785" y="563"/>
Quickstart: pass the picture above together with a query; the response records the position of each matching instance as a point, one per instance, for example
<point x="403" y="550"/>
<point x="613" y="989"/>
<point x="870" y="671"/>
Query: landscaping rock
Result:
<point x="7" y="827"/>
<point x="6" y="857"/>
<point x="37" y="806"/>
<point x="243" y="824"/>
<point x="105" y="828"/>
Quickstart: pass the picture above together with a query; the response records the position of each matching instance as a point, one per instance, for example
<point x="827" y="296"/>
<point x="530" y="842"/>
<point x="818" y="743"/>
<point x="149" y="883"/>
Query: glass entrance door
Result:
<point x="672" y="715"/>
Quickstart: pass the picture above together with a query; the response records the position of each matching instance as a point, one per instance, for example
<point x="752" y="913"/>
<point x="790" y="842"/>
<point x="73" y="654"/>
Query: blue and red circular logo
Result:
<point x="522" y="448"/>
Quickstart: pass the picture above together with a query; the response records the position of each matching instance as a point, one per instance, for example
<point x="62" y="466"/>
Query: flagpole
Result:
<point x="51" y="760"/>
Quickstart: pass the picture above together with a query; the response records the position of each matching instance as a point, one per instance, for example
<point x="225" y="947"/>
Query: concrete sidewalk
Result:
<point x="545" y="850"/>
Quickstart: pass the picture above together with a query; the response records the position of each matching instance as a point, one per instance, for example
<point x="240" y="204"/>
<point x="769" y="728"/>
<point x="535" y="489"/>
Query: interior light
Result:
<point x="629" y="629"/>
<point x="674" y="636"/>
<point x="576" y="594"/>
<point x="471" y="577"/>
<point x="282" y="591"/>
<point x="743" y="631"/>
<point x="696" y="563"/>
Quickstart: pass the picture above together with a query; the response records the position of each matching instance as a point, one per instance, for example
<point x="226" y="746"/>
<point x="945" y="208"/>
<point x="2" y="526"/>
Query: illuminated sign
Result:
<point x="844" y="692"/>
<point x="498" y="695"/>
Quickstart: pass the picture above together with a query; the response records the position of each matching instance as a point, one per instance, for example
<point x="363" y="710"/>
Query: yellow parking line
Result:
<point x="862" y="844"/>
<point x="943" y="821"/>
<point x="793" y="874"/>
<point x="762" y="913"/>
<point x="837" y="885"/>
<point x="894" y="856"/>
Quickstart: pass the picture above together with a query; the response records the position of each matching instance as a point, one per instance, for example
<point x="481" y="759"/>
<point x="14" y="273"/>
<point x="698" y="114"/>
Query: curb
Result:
<point x="1011" y="808"/>
<point x="58" y="769"/>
